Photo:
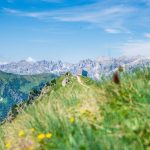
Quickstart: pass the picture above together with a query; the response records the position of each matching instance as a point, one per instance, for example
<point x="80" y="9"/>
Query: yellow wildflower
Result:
<point x="8" y="145"/>
<point x="32" y="130"/>
<point x="31" y="148"/>
<point x="41" y="136"/>
<point x="72" y="120"/>
<point x="48" y="135"/>
<point x="21" y="134"/>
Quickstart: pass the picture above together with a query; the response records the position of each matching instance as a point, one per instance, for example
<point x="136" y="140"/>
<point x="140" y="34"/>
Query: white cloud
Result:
<point x="30" y="59"/>
<point x="147" y="35"/>
<point x="94" y="14"/>
<point x="116" y="18"/>
<point x="11" y="11"/>
<point x="138" y="47"/>
<point x="112" y="31"/>
<point x="119" y="30"/>
<point x="26" y="14"/>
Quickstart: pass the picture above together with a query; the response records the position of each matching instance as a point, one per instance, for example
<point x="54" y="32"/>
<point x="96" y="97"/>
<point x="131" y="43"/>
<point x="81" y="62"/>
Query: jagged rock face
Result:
<point x="95" y="68"/>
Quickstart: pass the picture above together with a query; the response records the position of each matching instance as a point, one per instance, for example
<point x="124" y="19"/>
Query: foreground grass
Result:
<point x="91" y="117"/>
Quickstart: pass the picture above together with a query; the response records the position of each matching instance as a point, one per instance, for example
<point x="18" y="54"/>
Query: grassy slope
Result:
<point x="15" y="88"/>
<point x="95" y="116"/>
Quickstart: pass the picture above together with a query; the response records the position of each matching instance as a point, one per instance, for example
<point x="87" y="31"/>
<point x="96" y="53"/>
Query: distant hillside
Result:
<point x="96" y="68"/>
<point x="81" y="114"/>
<point x="16" y="88"/>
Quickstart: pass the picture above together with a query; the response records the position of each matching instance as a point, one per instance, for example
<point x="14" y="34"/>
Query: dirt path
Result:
<point x="80" y="82"/>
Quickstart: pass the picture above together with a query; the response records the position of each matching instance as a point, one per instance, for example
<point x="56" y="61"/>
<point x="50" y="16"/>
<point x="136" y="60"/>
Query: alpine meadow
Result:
<point x="74" y="75"/>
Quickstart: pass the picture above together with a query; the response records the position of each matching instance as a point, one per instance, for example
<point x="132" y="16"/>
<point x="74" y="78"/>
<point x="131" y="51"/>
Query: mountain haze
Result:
<point x="96" y="68"/>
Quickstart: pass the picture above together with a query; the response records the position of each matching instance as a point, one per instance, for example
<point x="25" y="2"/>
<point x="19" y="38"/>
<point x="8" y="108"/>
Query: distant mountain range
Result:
<point x="96" y="68"/>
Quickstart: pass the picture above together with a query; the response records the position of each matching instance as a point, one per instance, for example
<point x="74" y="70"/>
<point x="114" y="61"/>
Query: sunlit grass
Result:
<point x="97" y="116"/>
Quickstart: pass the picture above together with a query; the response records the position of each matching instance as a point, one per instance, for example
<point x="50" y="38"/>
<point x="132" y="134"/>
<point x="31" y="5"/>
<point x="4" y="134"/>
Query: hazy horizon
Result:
<point x="30" y="59"/>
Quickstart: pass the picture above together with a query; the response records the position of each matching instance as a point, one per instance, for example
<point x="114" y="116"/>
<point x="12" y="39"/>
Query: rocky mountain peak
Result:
<point x="95" y="68"/>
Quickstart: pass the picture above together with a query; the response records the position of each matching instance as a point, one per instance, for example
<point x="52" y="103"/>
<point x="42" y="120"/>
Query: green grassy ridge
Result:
<point x="99" y="115"/>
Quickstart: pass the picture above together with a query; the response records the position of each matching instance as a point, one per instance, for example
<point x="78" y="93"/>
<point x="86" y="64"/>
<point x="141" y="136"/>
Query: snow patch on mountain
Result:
<point x="3" y="63"/>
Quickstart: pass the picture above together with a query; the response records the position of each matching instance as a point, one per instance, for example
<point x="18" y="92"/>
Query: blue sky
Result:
<point x="72" y="30"/>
